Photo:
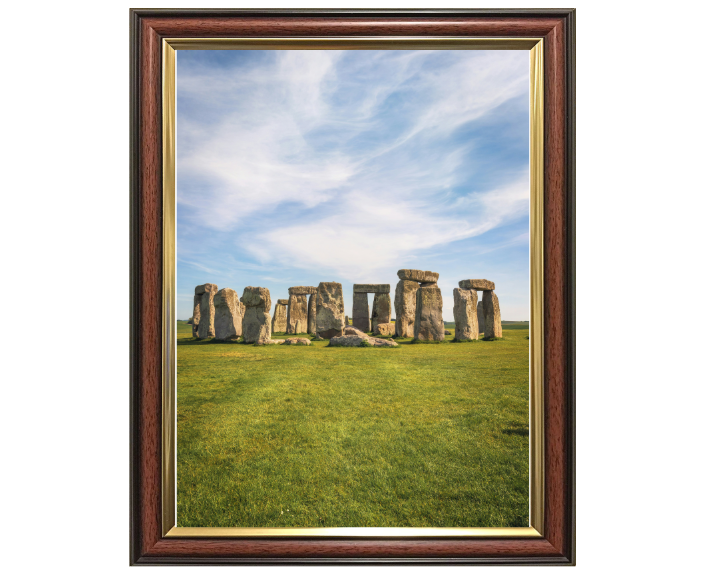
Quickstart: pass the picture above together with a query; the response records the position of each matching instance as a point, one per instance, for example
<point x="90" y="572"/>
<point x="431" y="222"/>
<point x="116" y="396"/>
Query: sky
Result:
<point x="296" y="167"/>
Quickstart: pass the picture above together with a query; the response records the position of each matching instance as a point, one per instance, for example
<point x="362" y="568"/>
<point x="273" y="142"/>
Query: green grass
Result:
<point x="318" y="436"/>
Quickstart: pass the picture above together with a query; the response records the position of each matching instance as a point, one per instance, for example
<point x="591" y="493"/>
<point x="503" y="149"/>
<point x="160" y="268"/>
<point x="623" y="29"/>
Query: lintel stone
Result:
<point x="476" y="285"/>
<point x="371" y="288"/>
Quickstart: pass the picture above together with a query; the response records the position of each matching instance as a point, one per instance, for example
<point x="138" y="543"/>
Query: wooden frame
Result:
<point x="148" y="29"/>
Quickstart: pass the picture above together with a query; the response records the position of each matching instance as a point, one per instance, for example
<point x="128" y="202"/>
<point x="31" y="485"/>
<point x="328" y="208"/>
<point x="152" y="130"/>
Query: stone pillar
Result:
<point x="297" y="314"/>
<point x="279" y="320"/>
<point x="257" y="322"/>
<point x="206" y="324"/>
<point x="229" y="312"/>
<point x="330" y="310"/>
<point x="195" y="320"/>
<point x="361" y="311"/>
<point x="405" y="308"/>
<point x="312" y="314"/>
<point x="480" y="317"/>
<point x="465" y="304"/>
<point x="428" y="313"/>
<point x="381" y="310"/>
<point x="491" y="310"/>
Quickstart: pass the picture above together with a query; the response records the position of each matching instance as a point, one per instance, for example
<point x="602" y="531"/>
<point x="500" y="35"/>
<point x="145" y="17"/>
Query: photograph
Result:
<point x="353" y="289"/>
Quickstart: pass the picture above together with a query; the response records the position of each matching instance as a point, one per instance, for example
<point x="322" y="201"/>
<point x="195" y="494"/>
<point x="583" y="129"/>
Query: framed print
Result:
<point x="352" y="293"/>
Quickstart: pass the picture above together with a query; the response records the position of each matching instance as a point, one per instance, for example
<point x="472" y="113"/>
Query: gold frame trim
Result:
<point x="537" y="430"/>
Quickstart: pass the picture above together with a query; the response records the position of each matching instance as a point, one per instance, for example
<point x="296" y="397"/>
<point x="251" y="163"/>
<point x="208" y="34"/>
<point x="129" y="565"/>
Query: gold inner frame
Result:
<point x="536" y="397"/>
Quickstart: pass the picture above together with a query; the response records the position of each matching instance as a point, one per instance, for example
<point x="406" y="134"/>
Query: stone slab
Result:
<point x="424" y="276"/>
<point x="302" y="290"/>
<point x="371" y="288"/>
<point x="465" y="313"/>
<point x="476" y="285"/>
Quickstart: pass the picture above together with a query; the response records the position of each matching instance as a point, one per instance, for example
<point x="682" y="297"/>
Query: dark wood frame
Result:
<point x="147" y="29"/>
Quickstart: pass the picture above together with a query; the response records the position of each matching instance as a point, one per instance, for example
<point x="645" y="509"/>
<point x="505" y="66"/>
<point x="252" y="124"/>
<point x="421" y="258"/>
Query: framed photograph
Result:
<point x="352" y="286"/>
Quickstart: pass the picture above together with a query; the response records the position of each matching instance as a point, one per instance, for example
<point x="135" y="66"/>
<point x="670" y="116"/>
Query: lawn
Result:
<point x="419" y="435"/>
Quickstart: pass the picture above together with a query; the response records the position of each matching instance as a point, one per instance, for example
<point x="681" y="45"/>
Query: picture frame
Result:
<point x="155" y="34"/>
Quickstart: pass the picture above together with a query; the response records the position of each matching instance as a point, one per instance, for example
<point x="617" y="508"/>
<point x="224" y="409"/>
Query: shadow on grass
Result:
<point x="516" y="431"/>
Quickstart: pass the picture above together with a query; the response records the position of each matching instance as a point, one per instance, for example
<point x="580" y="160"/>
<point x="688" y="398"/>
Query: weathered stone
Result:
<point x="428" y="314"/>
<point x="254" y="297"/>
<point x="197" y="299"/>
<point x="347" y="320"/>
<point x="480" y="317"/>
<point x="418" y="275"/>
<point x="387" y="329"/>
<point x="447" y="333"/>
<point x="381" y="310"/>
<point x="302" y="290"/>
<point x="312" y="314"/>
<point x="330" y="310"/>
<point x="371" y="288"/>
<point x="355" y="340"/>
<point x="491" y="310"/>
<point x="465" y="313"/>
<point x="229" y="312"/>
<point x="297" y="314"/>
<point x="405" y="308"/>
<point x="361" y="311"/>
<point x="206" y="327"/>
<point x="476" y="285"/>
<point x="257" y="322"/>
<point x="279" y="321"/>
<point x="353" y="330"/>
<point x="299" y="341"/>
<point x="282" y="301"/>
<point x="268" y="341"/>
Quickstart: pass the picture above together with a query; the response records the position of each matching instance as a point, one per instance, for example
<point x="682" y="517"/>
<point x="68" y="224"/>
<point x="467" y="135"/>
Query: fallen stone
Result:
<point x="206" y="326"/>
<point x="279" y="319"/>
<point x="418" y="275"/>
<point x="387" y="329"/>
<point x="302" y="290"/>
<point x="297" y="314"/>
<point x="491" y="310"/>
<point x="355" y="341"/>
<point x="229" y="312"/>
<point x="353" y="330"/>
<point x="257" y="322"/>
<point x="476" y="285"/>
<point x="361" y="311"/>
<point x="371" y="288"/>
<point x="447" y="333"/>
<point x="330" y="310"/>
<point x="405" y="308"/>
<point x="429" y="323"/>
<point x="268" y="342"/>
<point x="298" y="341"/>
<point x="465" y="314"/>
<point x="381" y="310"/>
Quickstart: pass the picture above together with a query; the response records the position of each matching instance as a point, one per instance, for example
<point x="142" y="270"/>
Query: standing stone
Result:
<point x="197" y="300"/>
<point x="257" y="322"/>
<point x="405" y="308"/>
<point x="330" y="310"/>
<point x="361" y="311"/>
<point x="312" y="314"/>
<point x="229" y="312"/>
<point x="381" y="310"/>
<point x="480" y="317"/>
<point x="206" y="326"/>
<point x="297" y="314"/>
<point x="465" y="313"/>
<point x="428" y="313"/>
<point x="491" y="309"/>
<point x="279" y="321"/>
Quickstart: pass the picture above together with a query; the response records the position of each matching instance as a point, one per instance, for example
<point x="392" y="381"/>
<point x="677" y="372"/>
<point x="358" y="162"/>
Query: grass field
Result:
<point x="419" y="435"/>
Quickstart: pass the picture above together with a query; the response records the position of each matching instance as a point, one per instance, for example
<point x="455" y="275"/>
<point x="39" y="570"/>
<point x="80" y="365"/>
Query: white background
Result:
<point x="647" y="211"/>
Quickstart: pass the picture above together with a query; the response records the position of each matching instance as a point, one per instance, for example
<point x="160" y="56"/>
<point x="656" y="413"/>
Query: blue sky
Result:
<point x="302" y="166"/>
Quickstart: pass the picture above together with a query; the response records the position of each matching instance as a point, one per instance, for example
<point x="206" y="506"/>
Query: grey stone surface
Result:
<point x="312" y="314"/>
<point x="382" y="308"/>
<point x="330" y="309"/>
<point x="206" y="327"/>
<point x="257" y="321"/>
<point x="229" y="312"/>
<point x="405" y="308"/>
<point x="298" y="341"/>
<point x="297" y="314"/>
<point x="283" y="301"/>
<point x="371" y="288"/>
<point x="480" y="317"/>
<point x="491" y="310"/>
<point x="302" y="290"/>
<point x="418" y="275"/>
<point x="387" y="329"/>
<point x="465" y="314"/>
<point x="476" y="285"/>
<point x="428" y="313"/>
<point x="279" y="320"/>
<point x="353" y="330"/>
<point x="197" y="300"/>
<point x="361" y="311"/>
<point x="355" y="341"/>
<point x="447" y="333"/>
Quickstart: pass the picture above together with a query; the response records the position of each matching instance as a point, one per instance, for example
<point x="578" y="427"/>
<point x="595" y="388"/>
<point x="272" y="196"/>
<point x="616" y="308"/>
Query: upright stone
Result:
<point x="279" y="321"/>
<point x="381" y="310"/>
<point x="297" y="314"/>
<point x="428" y="313"/>
<point x="480" y="317"/>
<point x="361" y="311"/>
<point x="330" y="310"/>
<point x="257" y="322"/>
<point x="405" y="308"/>
<point x="312" y="314"/>
<point x="197" y="300"/>
<point x="206" y="326"/>
<point x="229" y="312"/>
<point x="465" y="312"/>
<point x="491" y="310"/>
